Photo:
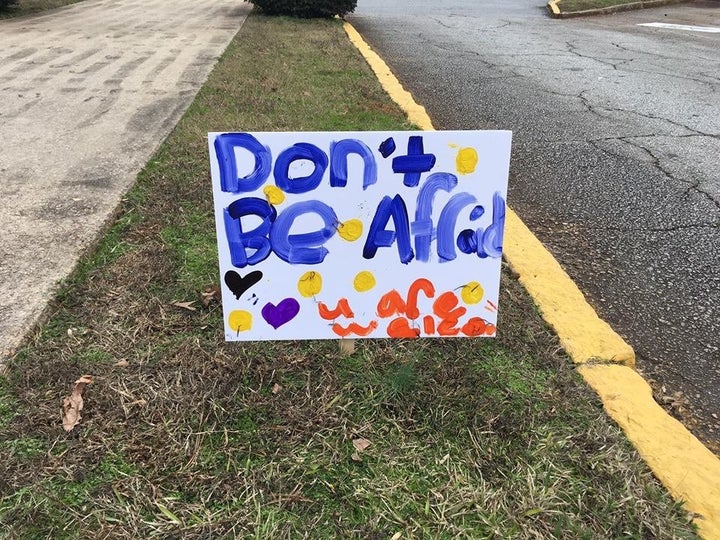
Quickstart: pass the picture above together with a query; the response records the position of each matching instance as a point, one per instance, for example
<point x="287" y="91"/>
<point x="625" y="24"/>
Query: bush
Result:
<point x="5" y="3"/>
<point x="306" y="8"/>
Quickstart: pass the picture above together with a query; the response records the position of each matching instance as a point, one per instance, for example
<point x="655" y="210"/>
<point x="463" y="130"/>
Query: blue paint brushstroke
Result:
<point x="378" y="236"/>
<point x="477" y="213"/>
<point x="414" y="163"/>
<point x="306" y="248"/>
<point x="492" y="240"/>
<point x="339" y="152"/>
<point x="467" y="241"/>
<point x="256" y="239"/>
<point x="297" y="152"/>
<point x="488" y="242"/>
<point x="387" y="147"/>
<point x="422" y="227"/>
<point x="446" y="225"/>
<point x="225" y="145"/>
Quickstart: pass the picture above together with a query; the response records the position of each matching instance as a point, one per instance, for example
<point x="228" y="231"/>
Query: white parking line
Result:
<point x="709" y="29"/>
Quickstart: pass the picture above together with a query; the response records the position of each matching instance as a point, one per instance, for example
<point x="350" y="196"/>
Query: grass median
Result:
<point x="186" y="436"/>
<point x="27" y="7"/>
<point x="583" y="5"/>
<point x="576" y="6"/>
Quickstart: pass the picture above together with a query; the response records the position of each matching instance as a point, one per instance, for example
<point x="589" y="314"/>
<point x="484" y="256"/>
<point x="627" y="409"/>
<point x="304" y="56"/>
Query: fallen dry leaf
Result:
<point x="361" y="444"/>
<point x="210" y="294"/>
<point x="73" y="404"/>
<point x="185" y="305"/>
<point x="122" y="363"/>
<point x="276" y="388"/>
<point x="73" y="332"/>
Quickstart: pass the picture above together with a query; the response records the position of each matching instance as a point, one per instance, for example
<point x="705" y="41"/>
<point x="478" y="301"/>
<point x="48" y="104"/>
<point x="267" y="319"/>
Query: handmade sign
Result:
<point x="368" y="234"/>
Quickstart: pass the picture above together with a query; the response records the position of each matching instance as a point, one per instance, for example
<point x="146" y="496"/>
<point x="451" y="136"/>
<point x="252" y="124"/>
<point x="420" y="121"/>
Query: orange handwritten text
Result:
<point x="429" y="325"/>
<point x="407" y="319"/>
<point x="342" y="308"/>
<point x="444" y="307"/>
<point x="354" y="328"/>
<point x="390" y="304"/>
<point x="418" y="285"/>
<point x="400" y="328"/>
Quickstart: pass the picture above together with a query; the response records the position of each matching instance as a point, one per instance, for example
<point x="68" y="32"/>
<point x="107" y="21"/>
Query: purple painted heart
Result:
<point x="278" y="315"/>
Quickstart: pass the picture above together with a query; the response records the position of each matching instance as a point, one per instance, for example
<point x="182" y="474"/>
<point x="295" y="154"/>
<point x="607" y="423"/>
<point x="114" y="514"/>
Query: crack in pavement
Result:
<point x="694" y="185"/>
<point x="620" y="61"/>
<point x="441" y="23"/>
<point x="657" y="162"/>
<point x="474" y="54"/>
<point x="713" y="85"/>
<point x="573" y="49"/>
<point x="504" y="23"/>
<point x="655" y="229"/>
<point x="656" y="55"/>
<point x="592" y="108"/>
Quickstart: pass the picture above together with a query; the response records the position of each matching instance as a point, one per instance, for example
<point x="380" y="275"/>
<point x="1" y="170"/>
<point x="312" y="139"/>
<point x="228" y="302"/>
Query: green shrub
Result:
<point x="5" y="3"/>
<point x="306" y="8"/>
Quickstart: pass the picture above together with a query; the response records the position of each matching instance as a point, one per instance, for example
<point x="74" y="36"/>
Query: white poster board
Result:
<point x="327" y="235"/>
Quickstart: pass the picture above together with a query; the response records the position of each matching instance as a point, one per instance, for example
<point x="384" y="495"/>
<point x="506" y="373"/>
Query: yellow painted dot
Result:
<point x="472" y="293"/>
<point x="351" y="230"/>
<point x="467" y="160"/>
<point x="274" y="194"/>
<point x="310" y="284"/>
<point x="240" y="320"/>
<point x="364" y="281"/>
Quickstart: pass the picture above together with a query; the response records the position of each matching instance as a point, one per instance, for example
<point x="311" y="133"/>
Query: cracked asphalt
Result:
<point x="87" y="93"/>
<point x="616" y="145"/>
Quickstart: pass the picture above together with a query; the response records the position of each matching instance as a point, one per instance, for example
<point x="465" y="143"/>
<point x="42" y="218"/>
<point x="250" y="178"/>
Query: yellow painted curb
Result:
<point x="583" y="335"/>
<point x="415" y="113"/>
<point x="552" y="6"/>
<point x="689" y="471"/>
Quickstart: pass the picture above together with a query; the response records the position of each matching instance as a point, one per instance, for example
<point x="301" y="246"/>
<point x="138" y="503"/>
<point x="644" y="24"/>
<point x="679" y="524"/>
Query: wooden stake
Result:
<point x="347" y="346"/>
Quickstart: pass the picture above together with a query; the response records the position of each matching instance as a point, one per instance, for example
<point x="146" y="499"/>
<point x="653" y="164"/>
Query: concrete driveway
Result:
<point x="87" y="94"/>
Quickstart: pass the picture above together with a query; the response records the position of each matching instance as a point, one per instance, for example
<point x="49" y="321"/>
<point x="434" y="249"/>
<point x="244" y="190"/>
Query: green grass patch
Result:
<point x="7" y="405"/>
<point x="54" y="507"/>
<point x="186" y="436"/>
<point x="192" y="247"/>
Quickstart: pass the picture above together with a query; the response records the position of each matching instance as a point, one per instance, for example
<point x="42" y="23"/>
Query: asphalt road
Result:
<point x="616" y="149"/>
<point x="87" y="93"/>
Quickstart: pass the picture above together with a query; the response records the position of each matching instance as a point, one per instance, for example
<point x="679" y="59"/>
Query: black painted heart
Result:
<point x="238" y="284"/>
